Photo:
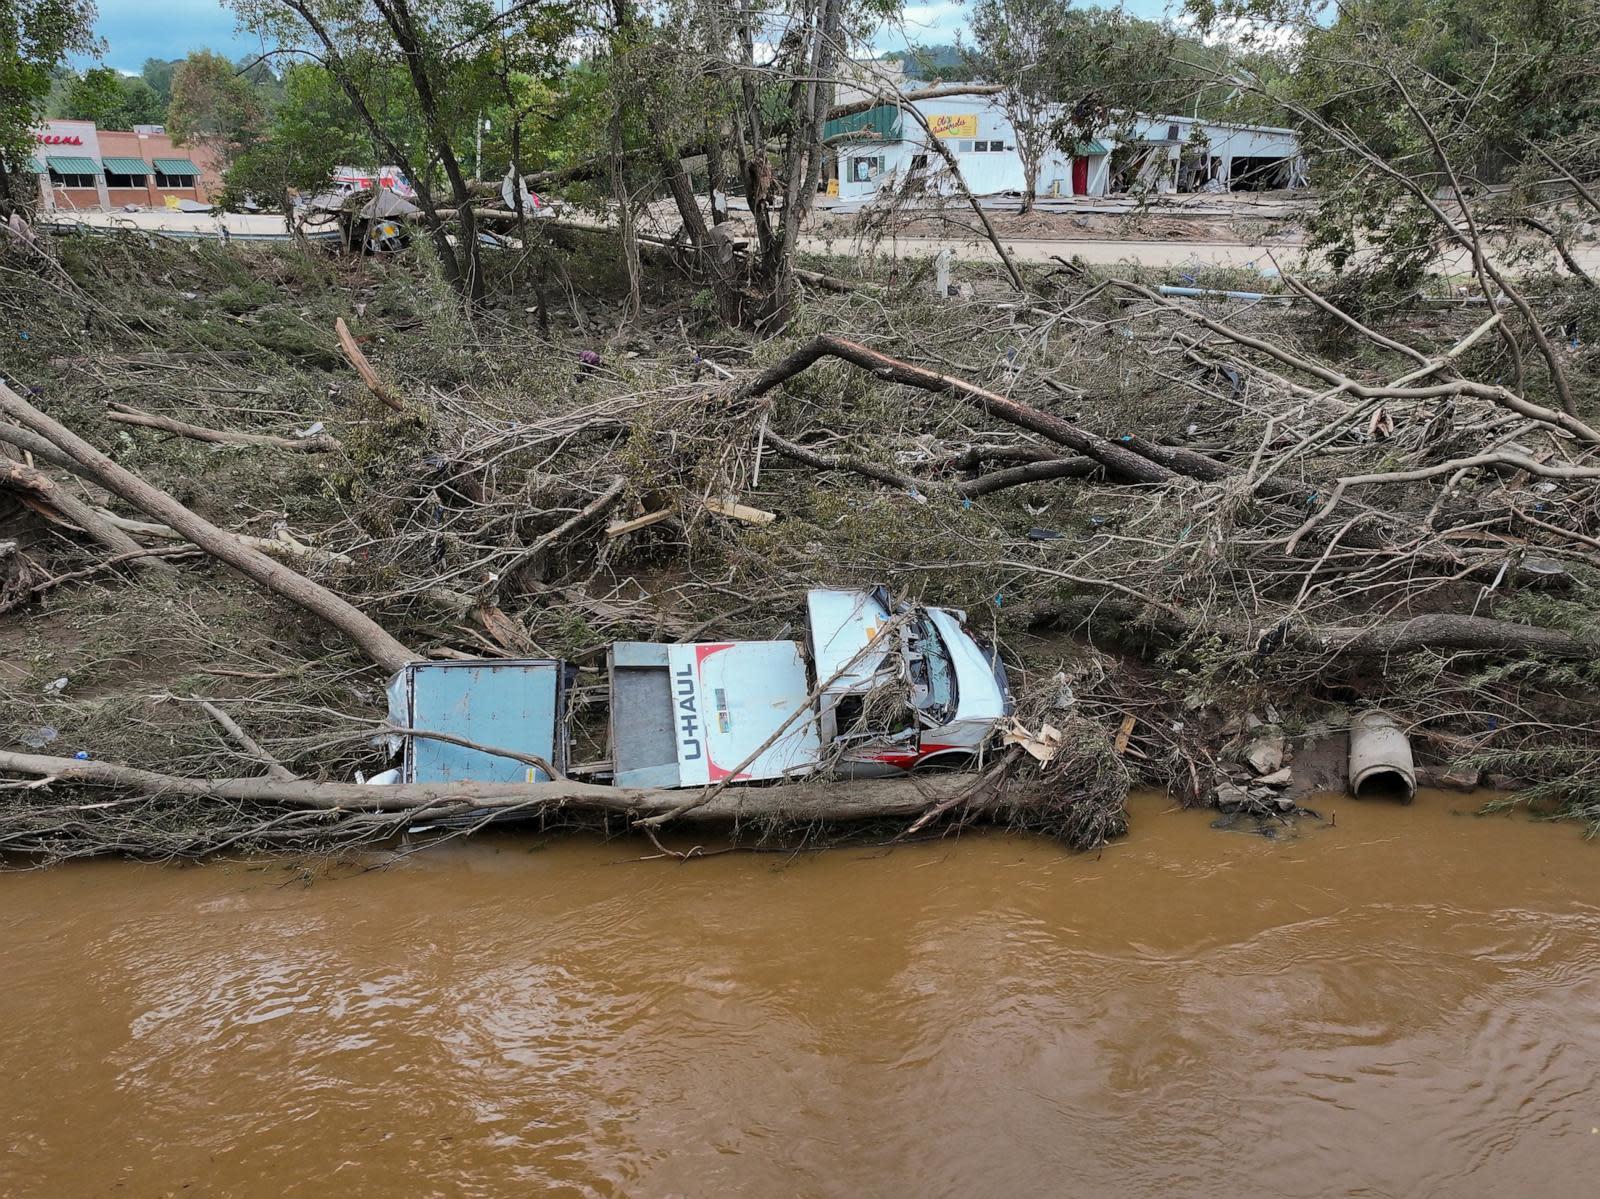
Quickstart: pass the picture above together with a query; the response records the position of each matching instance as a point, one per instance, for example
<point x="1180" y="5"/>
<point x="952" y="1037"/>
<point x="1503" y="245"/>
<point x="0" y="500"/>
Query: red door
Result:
<point x="1080" y="176"/>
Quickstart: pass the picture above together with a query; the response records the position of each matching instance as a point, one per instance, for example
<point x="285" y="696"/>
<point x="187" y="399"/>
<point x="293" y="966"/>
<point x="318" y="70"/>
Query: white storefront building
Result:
<point x="885" y="148"/>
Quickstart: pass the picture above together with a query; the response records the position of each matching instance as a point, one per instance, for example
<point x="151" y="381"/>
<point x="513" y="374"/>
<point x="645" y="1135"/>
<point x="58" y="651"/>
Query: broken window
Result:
<point x="865" y="170"/>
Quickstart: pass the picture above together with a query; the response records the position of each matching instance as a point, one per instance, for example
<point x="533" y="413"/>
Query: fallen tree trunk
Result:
<point x="1119" y="462"/>
<point x="866" y="799"/>
<point x="126" y="414"/>
<point x="44" y="451"/>
<point x="267" y="545"/>
<point x="43" y="495"/>
<point x="1129" y="458"/>
<point x="1447" y="631"/>
<point x="1028" y="472"/>
<point x="365" y="632"/>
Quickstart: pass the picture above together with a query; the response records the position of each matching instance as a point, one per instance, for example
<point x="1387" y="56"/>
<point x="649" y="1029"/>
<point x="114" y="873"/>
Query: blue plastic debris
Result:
<point x="82" y="755"/>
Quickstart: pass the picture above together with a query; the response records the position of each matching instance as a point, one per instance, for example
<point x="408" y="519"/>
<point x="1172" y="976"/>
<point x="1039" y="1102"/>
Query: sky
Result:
<point x="135" y="30"/>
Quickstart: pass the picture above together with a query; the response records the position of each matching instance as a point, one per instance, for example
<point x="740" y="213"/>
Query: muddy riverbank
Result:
<point x="1407" y="1003"/>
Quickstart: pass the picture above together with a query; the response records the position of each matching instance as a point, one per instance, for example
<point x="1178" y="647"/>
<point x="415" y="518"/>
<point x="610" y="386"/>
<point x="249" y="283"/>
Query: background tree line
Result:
<point x="1489" y="104"/>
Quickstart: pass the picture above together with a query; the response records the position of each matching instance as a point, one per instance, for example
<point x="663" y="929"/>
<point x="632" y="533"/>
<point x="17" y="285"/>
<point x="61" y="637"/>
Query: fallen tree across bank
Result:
<point x="842" y="801"/>
<point x="64" y="807"/>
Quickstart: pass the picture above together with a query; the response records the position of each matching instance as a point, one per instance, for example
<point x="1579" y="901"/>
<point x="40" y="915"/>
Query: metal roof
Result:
<point x="126" y="166"/>
<point x="176" y="166"/>
<point x="64" y="165"/>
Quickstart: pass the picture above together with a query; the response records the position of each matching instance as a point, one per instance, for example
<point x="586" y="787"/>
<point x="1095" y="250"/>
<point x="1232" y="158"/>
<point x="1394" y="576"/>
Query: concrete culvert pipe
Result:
<point x="1380" y="758"/>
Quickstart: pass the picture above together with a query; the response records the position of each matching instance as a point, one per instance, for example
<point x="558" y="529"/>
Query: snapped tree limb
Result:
<point x="365" y="632"/>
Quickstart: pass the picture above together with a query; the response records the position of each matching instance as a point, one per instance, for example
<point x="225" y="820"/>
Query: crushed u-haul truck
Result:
<point x="878" y="688"/>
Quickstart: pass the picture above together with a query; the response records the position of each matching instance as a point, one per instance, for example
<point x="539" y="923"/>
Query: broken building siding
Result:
<point x="978" y="132"/>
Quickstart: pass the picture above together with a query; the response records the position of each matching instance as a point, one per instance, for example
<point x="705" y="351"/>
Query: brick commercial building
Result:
<point x="81" y="167"/>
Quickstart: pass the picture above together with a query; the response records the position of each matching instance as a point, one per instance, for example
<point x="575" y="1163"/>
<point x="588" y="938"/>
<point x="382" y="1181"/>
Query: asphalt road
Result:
<point x="1098" y="252"/>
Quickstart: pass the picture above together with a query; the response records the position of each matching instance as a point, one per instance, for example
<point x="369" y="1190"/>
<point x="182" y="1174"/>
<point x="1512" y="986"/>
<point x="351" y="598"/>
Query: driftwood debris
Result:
<point x="368" y="636"/>
<point x="381" y="390"/>
<point x="801" y="802"/>
<point x="126" y="414"/>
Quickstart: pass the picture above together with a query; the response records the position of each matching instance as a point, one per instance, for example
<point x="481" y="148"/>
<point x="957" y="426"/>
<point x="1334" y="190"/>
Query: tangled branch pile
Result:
<point x="1170" y="514"/>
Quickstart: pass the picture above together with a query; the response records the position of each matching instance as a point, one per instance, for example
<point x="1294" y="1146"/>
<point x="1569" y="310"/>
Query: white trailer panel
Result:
<point x="731" y="697"/>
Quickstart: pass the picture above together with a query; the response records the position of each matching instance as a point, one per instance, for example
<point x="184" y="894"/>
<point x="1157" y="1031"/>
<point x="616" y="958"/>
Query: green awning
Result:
<point x="127" y="166"/>
<point x="176" y="166"/>
<point x="1089" y="149"/>
<point x="876" y="124"/>
<point x="38" y="166"/>
<point x="73" y="166"/>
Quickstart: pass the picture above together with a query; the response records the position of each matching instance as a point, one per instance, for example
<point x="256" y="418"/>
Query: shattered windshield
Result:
<point x="933" y="675"/>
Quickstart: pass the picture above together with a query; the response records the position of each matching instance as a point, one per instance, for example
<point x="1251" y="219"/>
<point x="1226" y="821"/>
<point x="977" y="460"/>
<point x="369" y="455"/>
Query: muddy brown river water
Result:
<point x="1405" y="1004"/>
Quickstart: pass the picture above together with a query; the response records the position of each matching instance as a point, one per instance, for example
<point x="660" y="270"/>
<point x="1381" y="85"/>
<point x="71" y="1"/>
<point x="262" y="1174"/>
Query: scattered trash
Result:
<point x="1038" y="534"/>
<point x="82" y="755"/>
<point x="310" y="431"/>
<point x="40" y="737"/>
<point x="1042" y="746"/>
<point x="56" y="686"/>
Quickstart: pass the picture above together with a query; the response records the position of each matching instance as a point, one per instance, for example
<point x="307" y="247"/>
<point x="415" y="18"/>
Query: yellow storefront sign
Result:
<point x="954" y="124"/>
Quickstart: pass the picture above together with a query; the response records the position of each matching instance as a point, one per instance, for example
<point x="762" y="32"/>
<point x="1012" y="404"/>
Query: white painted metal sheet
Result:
<point x="728" y="698"/>
<point x="843" y="624"/>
